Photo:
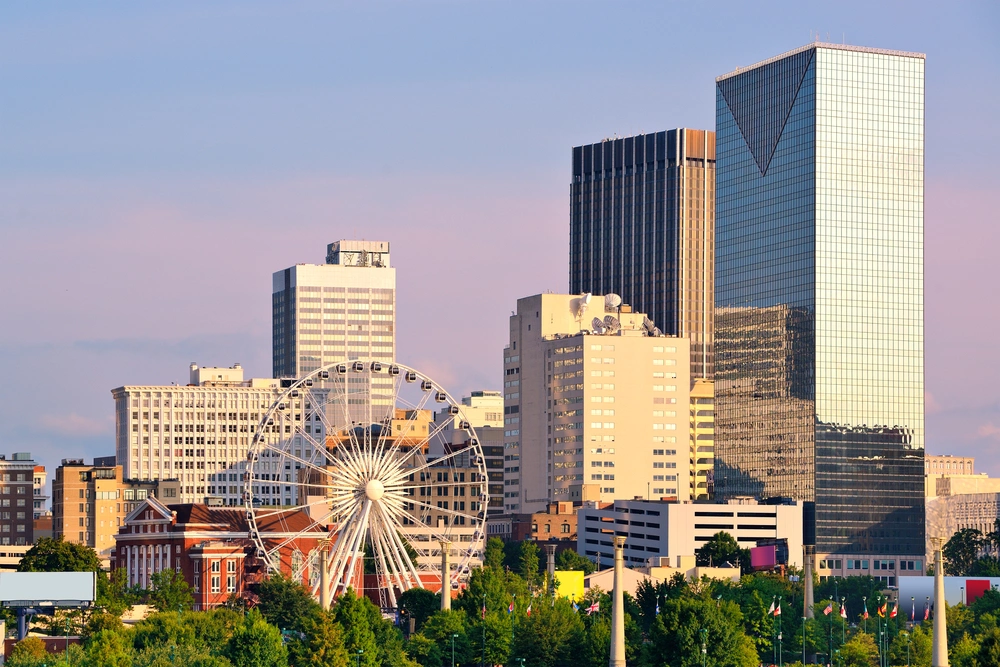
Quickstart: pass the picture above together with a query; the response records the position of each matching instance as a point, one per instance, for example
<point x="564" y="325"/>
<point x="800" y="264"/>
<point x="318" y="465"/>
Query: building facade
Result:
<point x="17" y="499"/>
<point x="656" y="530"/>
<point x="592" y="416"/>
<point x="212" y="549"/>
<point x="483" y="410"/>
<point x="199" y="434"/>
<point x="90" y="502"/>
<point x="642" y="225"/>
<point x="40" y="497"/>
<point x="819" y="292"/>
<point x="344" y="309"/>
<point x="702" y="445"/>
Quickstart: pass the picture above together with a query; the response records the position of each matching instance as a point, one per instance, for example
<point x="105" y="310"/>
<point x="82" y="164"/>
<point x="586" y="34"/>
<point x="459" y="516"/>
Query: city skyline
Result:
<point x="158" y="257"/>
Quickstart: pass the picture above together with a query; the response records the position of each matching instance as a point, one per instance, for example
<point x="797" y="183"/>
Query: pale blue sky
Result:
<point x="159" y="161"/>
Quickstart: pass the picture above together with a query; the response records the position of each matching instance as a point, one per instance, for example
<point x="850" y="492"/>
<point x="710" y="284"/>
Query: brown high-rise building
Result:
<point x="642" y="225"/>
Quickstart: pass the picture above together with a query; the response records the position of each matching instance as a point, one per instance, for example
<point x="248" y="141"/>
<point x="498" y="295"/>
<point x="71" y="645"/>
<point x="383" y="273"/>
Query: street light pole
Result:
<point x="360" y="651"/>
<point x="453" y="649"/>
<point x="484" y="631"/>
<point x="704" y="649"/>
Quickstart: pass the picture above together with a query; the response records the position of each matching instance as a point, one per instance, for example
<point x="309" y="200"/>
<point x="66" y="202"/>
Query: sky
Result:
<point x="158" y="161"/>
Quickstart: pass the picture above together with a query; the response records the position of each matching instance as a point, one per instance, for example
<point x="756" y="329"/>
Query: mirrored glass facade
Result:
<point x="819" y="291"/>
<point x="642" y="225"/>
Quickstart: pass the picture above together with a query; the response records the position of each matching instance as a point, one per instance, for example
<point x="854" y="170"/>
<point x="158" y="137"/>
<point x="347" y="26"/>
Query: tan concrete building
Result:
<point x="596" y="405"/>
<point x="702" y="446"/>
<point x="940" y="470"/>
<point x="89" y="502"/>
<point x="483" y="411"/>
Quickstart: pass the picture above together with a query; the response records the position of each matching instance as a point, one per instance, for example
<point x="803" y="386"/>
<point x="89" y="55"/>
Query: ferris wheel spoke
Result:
<point x="419" y="445"/>
<point x="351" y="560"/>
<point x="390" y="568"/>
<point x="428" y="464"/>
<point x="299" y="459"/>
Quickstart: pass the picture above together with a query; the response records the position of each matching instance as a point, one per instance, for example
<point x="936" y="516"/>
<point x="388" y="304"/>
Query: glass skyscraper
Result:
<point x="642" y="224"/>
<point x="819" y="297"/>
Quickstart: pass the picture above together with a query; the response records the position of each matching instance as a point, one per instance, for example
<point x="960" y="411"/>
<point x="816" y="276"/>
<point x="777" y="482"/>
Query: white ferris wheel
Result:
<point x="354" y="450"/>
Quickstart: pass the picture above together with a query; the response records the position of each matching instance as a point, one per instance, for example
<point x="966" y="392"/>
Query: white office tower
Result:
<point x="200" y="434"/>
<point x="596" y="404"/>
<point x="342" y="310"/>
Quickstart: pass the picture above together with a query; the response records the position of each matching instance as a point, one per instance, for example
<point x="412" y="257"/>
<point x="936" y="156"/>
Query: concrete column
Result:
<point x="324" y="579"/>
<point x="550" y="567"/>
<point x="445" y="575"/>
<point x="939" y="656"/>
<point x="808" y="556"/>
<point x="617" y="658"/>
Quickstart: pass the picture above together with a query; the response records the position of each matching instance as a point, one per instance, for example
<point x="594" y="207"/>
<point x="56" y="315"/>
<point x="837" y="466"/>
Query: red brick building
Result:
<point x="211" y="547"/>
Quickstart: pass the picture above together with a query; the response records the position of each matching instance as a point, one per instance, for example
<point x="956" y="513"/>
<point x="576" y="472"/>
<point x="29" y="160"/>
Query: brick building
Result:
<point x="211" y="547"/>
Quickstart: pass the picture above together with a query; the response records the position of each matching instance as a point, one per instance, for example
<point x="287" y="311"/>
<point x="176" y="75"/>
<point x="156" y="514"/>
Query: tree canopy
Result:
<point x="56" y="555"/>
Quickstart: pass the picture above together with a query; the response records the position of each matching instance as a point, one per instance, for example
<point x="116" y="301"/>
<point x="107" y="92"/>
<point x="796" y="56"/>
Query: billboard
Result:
<point x="48" y="589"/>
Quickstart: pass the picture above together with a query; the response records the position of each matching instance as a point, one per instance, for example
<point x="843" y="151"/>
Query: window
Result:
<point x="215" y="583"/>
<point x="231" y="583"/>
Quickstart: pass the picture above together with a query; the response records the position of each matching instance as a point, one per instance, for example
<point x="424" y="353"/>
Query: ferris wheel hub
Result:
<point x="374" y="489"/>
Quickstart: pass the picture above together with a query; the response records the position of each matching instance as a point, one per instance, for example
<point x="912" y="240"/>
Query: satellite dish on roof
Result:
<point x="583" y="303"/>
<point x="611" y="323"/>
<point x="597" y="325"/>
<point x="657" y="332"/>
<point x="647" y="324"/>
<point x="612" y="301"/>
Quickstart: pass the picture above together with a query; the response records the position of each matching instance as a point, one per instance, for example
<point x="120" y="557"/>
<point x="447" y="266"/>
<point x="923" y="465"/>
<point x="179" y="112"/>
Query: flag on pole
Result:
<point x="895" y="610"/>
<point x="528" y="610"/>
<point x="843" y="611"/>
<point x="881" y="610"/>
<point x="770" y="609"/>
<point x="593" y="608"/>
<point x="657" y="608"/>
<point x="913" y="611"/>
<point x="829" y="609"/>
<point x="510" y="609"/>
<point x="484" y="610"/>
<point x="865" y="615"/>
<point x="777" y="610"/>
<point x="576" y="607"/>
<point x="927" y="611"/>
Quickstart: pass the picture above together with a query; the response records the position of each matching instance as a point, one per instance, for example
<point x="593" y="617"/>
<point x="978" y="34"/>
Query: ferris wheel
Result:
<point x="380" y="462"/>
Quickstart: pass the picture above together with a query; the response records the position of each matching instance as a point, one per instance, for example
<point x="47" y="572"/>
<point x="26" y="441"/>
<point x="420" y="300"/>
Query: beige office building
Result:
<point x="199" y="434"/>
<point x="596" y="406"/>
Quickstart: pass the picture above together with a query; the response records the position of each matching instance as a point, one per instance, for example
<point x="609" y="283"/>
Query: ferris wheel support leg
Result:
<point x="324" y="580"/>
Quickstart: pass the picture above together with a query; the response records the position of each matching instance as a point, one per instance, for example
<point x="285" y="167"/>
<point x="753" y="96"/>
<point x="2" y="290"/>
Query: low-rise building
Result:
<point x="939" y="470"/>
<point x="655" y="530"/>
<point x="558" y="522"/>
<point x="212" y="549"/>
<point x="17" y="475"/>
<point x="40" y="499"/>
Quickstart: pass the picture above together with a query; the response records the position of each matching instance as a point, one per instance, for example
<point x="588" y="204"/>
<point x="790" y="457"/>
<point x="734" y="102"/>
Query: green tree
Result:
<point x="439" y="629"/>
<point x="102" y="621"/>
<point x="493" y="556"/>
<point x="989" y="648"/>
<point x="109" y="648"/>
<point x="418" y="604"/>
<point x="359" y="618"/>
<point x="858" y="591"/>
<point x="859" y="651"/>
<point x="675" y="638"/>
<point x="173" y="655"/>
<point x="964" y="652"/>
<point x="284" y="603"/>
<point x="529" y="564"/>
<point x="571" y="560"/>
<point x="722" y="549"/>
<point x="170" y="592"/>
<point x="56" y="555"/>
<point x="424" y="651"/>
<point x="550" y="637"/>
<point x="985" y="566"/>
<point x="920" y="648"/>
<point x="113" y="592"/>
<point x="323" y="645"/>
<point x="256" y="643"/>
<point x="961" y="551"/>
<point x="29" y="652"/>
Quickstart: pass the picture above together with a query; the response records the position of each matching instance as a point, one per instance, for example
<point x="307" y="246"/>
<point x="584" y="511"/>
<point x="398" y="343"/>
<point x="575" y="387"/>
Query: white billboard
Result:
<point x="48" y="589"/>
